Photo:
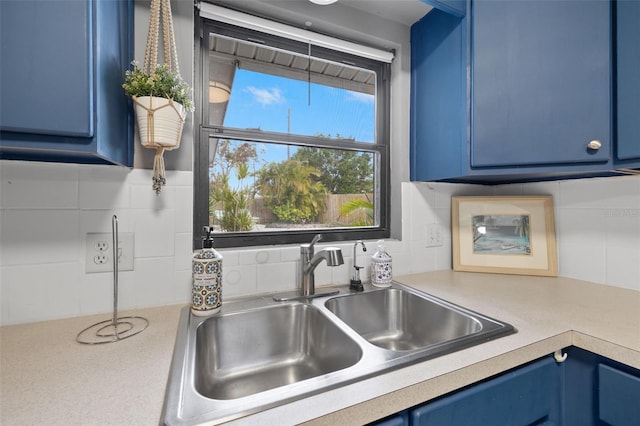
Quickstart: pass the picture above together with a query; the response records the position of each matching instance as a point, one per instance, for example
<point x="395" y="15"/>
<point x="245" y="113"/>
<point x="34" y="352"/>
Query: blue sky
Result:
<point x="263" y="101"/>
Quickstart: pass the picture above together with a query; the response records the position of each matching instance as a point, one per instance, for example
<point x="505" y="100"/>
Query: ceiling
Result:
<point x="405" y="12"/>
<point x="251" y="56"/>
<point x="261" y="59"/>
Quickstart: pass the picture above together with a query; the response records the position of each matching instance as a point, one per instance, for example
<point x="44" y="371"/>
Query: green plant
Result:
<point x="235" y="203"/>
<point x="292" y="190"/>
<point x="360" y="210"/>
<point x="341" y="171"/>
<point x="162" y="83"/>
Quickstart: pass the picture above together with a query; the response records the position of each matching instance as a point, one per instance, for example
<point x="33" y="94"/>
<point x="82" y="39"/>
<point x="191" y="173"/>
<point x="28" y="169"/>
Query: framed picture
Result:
<point x="506" y="235"/>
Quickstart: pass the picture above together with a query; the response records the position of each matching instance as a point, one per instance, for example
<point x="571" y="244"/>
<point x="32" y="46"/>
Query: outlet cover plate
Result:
<point x="434" y="235"/>
<point x="99" y="253"/>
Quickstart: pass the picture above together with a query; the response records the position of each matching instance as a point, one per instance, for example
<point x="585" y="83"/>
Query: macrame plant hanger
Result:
<point x="160" y="9"/>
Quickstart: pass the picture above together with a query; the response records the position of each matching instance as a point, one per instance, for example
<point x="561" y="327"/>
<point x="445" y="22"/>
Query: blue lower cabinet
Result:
<point x="586" y="390"/>
<point x="618" y="397"/>
<point x="528" y="395"/>
<point x="398" y="419"/>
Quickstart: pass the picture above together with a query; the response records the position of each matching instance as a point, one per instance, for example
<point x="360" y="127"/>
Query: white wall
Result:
<point x="46" y="210"/>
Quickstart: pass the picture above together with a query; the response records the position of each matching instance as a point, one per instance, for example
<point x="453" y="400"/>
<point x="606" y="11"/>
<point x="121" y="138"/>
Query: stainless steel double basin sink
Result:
<point x="256" y="353"/>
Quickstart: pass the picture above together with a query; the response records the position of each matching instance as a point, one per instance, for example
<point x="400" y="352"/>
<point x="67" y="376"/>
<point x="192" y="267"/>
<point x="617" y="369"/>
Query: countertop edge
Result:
<point x="410" y="396"/>
<point x="427" y="390"/>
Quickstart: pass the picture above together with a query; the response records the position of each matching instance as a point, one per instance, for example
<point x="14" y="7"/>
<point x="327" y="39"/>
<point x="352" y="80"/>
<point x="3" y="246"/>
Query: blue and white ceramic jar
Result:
<point x="381" y="268"/>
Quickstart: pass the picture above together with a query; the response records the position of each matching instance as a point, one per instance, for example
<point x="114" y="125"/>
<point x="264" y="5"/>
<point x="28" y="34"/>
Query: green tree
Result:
<point x="229" y="206"/>
<point x="292" y="190"/>
<point x="341" y="171"/>
<point x="236" y="216"/>
<point x="229" y="155"/>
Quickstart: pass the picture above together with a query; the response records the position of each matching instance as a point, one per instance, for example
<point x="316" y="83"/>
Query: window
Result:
<point x="292" y="140"/>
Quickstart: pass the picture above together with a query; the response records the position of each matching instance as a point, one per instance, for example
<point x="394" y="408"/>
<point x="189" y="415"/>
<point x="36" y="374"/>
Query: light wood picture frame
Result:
<point x="505" y="235"/>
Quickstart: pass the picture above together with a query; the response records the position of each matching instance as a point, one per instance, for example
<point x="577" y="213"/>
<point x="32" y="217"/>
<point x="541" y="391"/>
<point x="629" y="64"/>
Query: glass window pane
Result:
<point x="260" y="88"/>
<point x="297" y="141"/>
<point x="274" y="187"/>
<point x="278" y="104"/>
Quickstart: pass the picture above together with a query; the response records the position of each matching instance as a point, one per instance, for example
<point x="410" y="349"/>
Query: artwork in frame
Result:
<point x="506" y="235"/>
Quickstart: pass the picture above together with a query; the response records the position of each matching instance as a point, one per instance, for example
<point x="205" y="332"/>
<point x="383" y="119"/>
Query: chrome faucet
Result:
<point x="309" y="260"/>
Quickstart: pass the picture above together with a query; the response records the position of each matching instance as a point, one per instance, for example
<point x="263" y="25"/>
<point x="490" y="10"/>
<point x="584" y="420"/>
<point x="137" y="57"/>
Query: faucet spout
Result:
<point x="308" y="263"/>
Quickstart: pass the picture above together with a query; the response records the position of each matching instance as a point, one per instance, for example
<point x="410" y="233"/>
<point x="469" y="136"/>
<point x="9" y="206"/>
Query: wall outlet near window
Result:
<point x="434" y="235"/>
<point x="99" y="252"/>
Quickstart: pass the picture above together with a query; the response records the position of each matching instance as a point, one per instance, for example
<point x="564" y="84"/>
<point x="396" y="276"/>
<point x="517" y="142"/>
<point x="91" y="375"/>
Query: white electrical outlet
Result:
<point x="434" y="235"/>
<point x="99" y="253"/>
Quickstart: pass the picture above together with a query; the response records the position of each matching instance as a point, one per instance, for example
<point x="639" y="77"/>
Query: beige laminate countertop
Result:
<point x="48" y="378"/>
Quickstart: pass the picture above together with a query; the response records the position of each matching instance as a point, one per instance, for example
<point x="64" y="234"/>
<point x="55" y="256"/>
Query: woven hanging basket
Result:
<point x="160" y="120"/>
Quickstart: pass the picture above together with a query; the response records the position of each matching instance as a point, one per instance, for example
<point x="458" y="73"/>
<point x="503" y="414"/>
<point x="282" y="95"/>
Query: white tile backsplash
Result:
<point x="46" y="210"/>
<point x="51" y="188"/>
<point x="275" y="276"/>
<point x="582" y="194"/>
<point x="39" y="236"/>
<point x="618" y="199"/>
<point x="154" y="232"/>
<point x="239" y="280"/>
<point x="40" y="291"/>
<point x="104" y="188"/>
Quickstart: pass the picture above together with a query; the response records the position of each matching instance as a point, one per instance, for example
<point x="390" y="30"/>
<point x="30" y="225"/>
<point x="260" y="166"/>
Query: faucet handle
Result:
<point x="316" y="238"/>
<point x="308" y="248"/>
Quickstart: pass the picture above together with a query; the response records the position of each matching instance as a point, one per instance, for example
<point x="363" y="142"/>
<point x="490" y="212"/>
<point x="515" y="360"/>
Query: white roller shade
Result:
<point x="240" y="19"/>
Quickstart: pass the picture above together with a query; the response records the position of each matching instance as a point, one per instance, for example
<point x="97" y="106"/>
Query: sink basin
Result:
<point x="289" y="343"/>
<point x="401" y="321"/>
<point x="258" y="353"/>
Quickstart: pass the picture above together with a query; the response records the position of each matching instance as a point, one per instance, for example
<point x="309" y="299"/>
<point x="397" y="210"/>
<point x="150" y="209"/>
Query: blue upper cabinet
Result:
<point x="438" y="97"/>
<point x="62" y="67"/>
<point x="535" y="97"/>
<point x="541" y="82"/>
<point x="628" y="83"/>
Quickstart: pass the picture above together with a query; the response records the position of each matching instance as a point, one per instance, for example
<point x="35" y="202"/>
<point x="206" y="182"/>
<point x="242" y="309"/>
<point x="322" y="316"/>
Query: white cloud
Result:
<point x="266" y="96"/>
<point x="360" y="97"/>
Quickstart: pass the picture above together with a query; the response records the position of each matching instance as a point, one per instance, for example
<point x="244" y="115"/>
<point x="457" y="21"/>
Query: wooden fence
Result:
<point x="330" y="213"/>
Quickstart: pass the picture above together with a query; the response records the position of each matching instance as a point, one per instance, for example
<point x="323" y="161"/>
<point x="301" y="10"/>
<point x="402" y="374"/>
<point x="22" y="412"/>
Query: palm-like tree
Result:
<point x="361" y="210"/>
<point x="292" y="190"/>
<point x="235" y="203"/>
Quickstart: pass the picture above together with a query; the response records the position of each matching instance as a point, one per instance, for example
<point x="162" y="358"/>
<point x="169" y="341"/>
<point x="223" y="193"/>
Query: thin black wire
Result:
<point x="309" y="77"/>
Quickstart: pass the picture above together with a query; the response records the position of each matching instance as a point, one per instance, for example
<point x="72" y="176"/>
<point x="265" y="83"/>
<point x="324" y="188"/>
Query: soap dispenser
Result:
<point x="206" y="268"/>
<point x="381" y="267"/>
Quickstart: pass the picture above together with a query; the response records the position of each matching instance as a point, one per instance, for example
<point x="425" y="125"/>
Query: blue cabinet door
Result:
<point x="63" y="64"/>
<point x="618" y="397"/>
<point x="525" y="396"/>
<point x="541" y="82"/>
<point x="628" y="82"/>
<point x="398" y="419"/>
<point x="46" y="68"/>
<point x="438" y="97"/>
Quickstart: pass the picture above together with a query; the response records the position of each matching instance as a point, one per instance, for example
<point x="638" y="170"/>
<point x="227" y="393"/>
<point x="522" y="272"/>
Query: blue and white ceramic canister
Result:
<point x="381" y="270"/>
<point x="206" y="269"/>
